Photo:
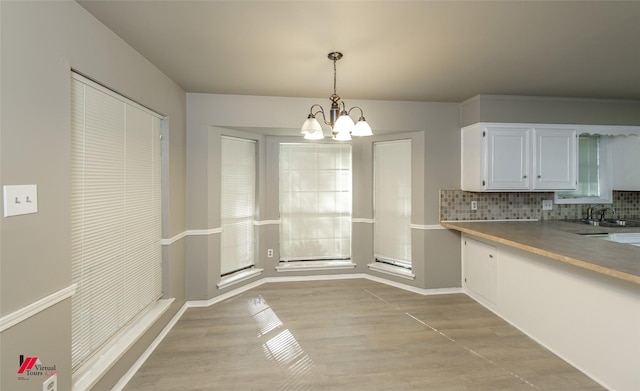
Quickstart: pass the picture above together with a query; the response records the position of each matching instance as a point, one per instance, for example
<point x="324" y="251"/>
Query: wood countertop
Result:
<point x="562" y="241"/>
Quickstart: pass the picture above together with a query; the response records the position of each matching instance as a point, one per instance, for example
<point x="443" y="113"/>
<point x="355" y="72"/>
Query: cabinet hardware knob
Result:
<point x="539" y="176"/>
<point x="525" y="176"/>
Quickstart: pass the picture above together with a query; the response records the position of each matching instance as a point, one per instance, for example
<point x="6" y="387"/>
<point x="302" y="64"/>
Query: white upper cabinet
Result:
<point x="626" y="162"/>
<point x="555" y="158"/>
<point x="518" y="157"/>
<point x="507" y="158"/>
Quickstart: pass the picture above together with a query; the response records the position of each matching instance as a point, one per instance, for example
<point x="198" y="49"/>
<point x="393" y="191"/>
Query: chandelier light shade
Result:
<point x="342" y="126"/>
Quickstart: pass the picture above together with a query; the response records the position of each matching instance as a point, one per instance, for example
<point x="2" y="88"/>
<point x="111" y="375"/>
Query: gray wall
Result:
<point x="529" y="109"/>
<point x="435" y="132"/>
<point x="41" y="42"/>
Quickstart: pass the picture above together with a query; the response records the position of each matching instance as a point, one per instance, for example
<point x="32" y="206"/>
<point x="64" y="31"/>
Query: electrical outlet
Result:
<point x="474" y="205"/>
<point x="547" y="204"/>
<point x="270" y="253"/>
<point x="51" y="384"/>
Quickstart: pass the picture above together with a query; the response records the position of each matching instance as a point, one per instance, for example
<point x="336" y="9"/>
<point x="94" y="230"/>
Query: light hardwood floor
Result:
<point x="350" y="335"/>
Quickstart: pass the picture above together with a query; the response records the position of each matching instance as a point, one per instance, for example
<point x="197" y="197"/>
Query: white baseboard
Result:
<point x="136" y="366"/>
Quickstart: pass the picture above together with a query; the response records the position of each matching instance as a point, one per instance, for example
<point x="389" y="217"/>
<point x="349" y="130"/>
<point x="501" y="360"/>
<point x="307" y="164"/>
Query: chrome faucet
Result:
<point x="604" y="211"/>
<point x="590" y="213"/>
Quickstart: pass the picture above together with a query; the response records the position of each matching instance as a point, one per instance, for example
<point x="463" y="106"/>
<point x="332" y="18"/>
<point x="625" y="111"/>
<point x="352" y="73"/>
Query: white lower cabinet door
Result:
<point x="480" y="269"/>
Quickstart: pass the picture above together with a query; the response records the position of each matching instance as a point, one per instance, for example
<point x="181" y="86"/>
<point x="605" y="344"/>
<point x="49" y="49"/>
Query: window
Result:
<point x="594" y="184"/>
<point x="315" y="202"/>
<point x="392" y="202"/>
<point x="238" y="204"/>
<point x="115" y="215"/>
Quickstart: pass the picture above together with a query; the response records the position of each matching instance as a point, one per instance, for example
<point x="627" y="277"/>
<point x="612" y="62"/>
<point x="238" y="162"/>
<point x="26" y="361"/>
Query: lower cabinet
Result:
<point x="589" y="319"/>
<point x="479" y="268"/>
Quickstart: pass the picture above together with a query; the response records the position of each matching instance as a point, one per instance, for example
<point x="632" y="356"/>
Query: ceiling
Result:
<point x="445" y="51"/>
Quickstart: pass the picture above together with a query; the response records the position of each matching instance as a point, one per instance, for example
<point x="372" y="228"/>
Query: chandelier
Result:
<point x="342" y="126"/>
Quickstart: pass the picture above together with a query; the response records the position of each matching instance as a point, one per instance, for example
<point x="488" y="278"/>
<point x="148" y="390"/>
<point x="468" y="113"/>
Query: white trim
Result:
<point x="314" y="266"/>
<point x="225" y="296"/>
<point x="426" y="227"/>
<point x="190" y="232"/>
<point x="34" y="308"/>
<point x="485" y="221"/>
<point x="203" y="232"/>
<point x="210" y="231"/>
<point x="92" y="371"/>
<point x="237" y="277"/>
<point x="391" y="270"/>
<point x="156" y="342"/>
<point x="361" y="220"/>
<point x="266" y="222"/>
<point x="604" y="130"/>
<point x="320" y="277"/>
<point x="420" y="291"/>
<point x="167" y="242"/>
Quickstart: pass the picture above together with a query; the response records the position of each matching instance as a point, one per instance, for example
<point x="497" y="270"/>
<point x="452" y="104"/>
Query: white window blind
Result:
<point x="392" y="202"/>
<point x="315" y="201"/>
<point x="115" y="220"/>
<point x="588" y="168"/>
<point x="238" y="204"/>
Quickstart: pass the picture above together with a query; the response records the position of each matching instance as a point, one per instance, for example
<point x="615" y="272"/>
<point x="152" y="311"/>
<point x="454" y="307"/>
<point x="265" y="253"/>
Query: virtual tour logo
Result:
<point x="32" y="366"/>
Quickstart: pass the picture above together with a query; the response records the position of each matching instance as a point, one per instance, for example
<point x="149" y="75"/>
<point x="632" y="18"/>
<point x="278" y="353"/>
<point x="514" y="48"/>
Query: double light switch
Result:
<point x="20" y="199"/>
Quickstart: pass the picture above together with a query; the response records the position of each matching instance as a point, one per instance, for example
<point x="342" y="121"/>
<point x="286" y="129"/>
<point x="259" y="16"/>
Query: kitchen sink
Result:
<point x="618" y="237"/>
<point x="611" y="223"/>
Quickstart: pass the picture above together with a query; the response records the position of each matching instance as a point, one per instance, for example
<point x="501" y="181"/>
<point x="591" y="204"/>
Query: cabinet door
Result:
<point x="626" y="163"/>
<point x="507" y="158"/>
<point x="480" y="267"/>
<point x="555" y="159"/>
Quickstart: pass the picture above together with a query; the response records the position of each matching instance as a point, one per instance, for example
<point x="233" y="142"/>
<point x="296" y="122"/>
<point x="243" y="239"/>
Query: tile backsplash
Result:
<point x="456" y="205"/>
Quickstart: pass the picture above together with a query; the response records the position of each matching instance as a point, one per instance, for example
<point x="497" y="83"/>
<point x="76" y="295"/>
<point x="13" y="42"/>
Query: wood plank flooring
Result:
<point x="350" y="335"/>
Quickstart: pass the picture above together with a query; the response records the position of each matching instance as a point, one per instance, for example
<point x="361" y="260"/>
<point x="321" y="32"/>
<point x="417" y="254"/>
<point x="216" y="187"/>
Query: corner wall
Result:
<point x="41" y="42"/>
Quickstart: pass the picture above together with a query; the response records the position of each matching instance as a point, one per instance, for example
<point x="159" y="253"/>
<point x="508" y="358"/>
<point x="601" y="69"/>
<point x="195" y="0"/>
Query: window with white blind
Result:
<point x="594" y="173"/>
<point x="392" y="202"/>
<point x="315" y="201"/>
<point x="115" y="214"/>
<point x="238" y="204"/>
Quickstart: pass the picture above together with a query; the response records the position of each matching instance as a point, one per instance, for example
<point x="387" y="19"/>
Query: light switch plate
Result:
<point x="547" y="204"/>
<point x="20" y="199"/>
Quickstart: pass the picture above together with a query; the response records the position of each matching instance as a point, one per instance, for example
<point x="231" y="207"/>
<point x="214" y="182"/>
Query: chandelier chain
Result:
<point x="334" y="76"/>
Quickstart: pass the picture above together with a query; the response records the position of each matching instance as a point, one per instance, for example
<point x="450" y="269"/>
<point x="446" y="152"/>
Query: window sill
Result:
<point x="314" y="265"/>
<point x="90" y="372"/>
<point x="240" y="276"/>
<point x="392" y="270"/>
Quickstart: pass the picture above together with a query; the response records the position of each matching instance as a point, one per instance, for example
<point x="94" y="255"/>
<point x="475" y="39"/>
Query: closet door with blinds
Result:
<point x="315" y="201"/>
<point x="392" y="202"/>
<point x="115" y="222"/>
<point x="238" y="204"/>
